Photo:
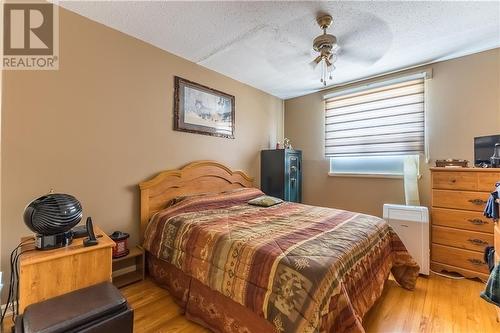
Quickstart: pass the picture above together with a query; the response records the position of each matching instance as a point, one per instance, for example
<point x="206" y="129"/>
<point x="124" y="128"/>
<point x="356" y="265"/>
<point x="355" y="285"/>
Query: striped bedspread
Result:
<point x="302" y="268"/>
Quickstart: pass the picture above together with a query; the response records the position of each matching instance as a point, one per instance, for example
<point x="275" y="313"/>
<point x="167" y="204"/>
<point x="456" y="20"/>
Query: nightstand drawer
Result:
<point x="469" y="240"/>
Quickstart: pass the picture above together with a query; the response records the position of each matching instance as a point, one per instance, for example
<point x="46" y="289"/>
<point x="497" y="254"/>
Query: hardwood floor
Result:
<point x="155" y="310"/>
<point x="438" y="305"/>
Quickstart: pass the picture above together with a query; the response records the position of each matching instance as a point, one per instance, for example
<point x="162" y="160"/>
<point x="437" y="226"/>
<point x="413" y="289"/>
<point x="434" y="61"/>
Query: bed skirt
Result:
<point x="203" y="305"/>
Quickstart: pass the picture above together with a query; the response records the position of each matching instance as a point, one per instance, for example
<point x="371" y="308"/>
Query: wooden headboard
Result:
<point x="193" y="178"/>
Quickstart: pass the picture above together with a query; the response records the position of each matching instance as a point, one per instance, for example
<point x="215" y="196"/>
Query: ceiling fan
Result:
<point x="327" y="47"/>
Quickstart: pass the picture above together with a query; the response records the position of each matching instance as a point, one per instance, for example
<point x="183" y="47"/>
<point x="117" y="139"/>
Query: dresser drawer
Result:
<point x="486" y="181"/>
<point x="497" y="238"/>
<point x="469" y="240"/>
<point x="461" y="219"/>
<point x="470" y="260"/>
<point x="460" y="199"/>
<point x="454" y="180"/>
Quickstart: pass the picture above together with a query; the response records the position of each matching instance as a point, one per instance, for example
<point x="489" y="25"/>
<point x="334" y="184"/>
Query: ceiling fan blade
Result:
<point x="357" y="56"/>
<point x="315" y="62"/>
<point x="353" y="42"/>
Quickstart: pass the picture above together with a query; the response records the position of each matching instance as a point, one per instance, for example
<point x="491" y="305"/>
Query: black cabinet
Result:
<point x="281" y="173"/>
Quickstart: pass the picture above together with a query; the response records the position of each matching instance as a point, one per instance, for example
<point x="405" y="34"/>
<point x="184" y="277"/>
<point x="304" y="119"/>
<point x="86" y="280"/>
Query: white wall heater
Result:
<point x="411" y="223"/>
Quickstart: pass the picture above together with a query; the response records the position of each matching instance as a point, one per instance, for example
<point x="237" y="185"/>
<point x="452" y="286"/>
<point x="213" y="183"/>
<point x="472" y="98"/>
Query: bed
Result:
<point x="235" y="267"/>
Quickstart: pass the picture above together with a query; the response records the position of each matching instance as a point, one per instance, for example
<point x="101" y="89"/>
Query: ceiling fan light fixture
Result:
<point x="327" y="69"/>
<point x="326" y="45"/>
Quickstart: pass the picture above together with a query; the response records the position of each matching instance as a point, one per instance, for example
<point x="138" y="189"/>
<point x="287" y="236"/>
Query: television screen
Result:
<point x="484" y="147"/>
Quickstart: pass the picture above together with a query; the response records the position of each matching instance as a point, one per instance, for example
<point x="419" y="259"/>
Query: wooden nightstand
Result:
<point x="136" y="257"/>
<point x="46" y="274"/>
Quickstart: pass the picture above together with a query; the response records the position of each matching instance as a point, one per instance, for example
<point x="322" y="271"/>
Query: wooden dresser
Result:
<point x="459" y="231"/>
<point x="497" y="256"/>
<point x="46" y="274"/>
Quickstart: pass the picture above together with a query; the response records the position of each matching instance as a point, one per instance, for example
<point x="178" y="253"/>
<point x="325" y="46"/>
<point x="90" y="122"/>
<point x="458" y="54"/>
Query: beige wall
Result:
<point x="103" y="122"/>
<point x="463" y="101"/>
<point x="1" y="268"/>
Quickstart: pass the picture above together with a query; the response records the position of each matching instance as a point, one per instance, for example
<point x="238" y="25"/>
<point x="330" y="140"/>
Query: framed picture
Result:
<point x="202" y="110"/>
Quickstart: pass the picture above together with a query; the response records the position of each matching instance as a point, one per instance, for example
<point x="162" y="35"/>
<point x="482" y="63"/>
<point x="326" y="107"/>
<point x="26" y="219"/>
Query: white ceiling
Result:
<point x="268" y="45"/>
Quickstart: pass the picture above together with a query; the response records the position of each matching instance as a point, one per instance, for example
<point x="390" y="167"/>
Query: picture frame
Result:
<point x="203" y="110"/>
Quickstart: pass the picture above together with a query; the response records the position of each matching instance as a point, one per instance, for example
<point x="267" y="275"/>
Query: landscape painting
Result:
<point x="203" y="110"/>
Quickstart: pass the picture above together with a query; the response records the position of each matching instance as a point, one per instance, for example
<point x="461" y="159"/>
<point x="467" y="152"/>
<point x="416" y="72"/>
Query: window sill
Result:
<point x="365" y="175"/>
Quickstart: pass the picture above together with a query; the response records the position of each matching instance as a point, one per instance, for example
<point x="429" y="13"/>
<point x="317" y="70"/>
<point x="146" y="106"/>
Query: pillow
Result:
<point x="180" y="198"/>
<point x="234" y="190"/>
<point x="265" y="201"/>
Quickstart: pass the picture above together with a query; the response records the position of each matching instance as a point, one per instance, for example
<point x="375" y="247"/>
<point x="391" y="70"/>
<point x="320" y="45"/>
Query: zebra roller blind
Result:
<point x="387" y="120"/>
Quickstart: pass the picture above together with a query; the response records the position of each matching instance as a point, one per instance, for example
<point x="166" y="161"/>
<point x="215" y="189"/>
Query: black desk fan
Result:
<point x="52" y="216"/>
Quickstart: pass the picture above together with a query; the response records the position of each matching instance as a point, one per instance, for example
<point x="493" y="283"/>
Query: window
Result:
<point x="368" y="165"/>
<point x="370" y="130"/>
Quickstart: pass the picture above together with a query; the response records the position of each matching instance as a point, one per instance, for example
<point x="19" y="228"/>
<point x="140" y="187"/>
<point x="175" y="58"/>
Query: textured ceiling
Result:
<point x="268" y="45"/>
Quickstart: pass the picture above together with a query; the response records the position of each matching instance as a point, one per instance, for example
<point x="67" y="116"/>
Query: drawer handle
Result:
<point x="477" y="202"/>
<point x="453" y="181"/>
<point x="476" y="262"/>
<point x="477" y="221"/>
<point x="477" y="241"/>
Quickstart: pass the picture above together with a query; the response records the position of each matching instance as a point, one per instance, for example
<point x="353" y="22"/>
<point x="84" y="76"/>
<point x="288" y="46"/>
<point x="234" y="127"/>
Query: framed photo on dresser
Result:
<point x="202" y="110"/>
